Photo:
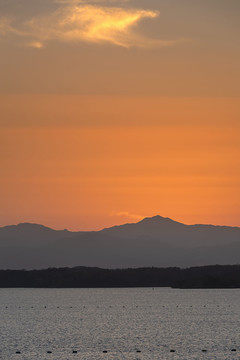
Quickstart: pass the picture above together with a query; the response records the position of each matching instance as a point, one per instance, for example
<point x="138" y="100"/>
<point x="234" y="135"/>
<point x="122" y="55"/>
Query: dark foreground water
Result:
<point x="127" y="323"/>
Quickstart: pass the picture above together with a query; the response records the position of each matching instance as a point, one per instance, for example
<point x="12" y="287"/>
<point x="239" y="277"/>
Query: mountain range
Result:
<point x="155" y="241"/>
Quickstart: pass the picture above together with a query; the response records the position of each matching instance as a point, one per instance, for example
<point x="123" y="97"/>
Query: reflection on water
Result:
<point x="160" y="323"/>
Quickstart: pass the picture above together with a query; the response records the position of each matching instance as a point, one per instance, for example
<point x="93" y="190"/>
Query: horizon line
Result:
<point x="116" y="225"/>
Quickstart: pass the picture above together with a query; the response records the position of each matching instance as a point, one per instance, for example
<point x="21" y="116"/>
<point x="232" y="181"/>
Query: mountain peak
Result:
<point x="157" y="219"/>
<point x="148" y="227"/>
<point x="26" y="227"/>
<point x="30" y="225"/>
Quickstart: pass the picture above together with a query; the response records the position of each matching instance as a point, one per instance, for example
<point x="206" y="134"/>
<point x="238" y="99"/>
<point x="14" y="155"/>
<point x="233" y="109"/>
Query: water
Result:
<point x="121" y="322"/>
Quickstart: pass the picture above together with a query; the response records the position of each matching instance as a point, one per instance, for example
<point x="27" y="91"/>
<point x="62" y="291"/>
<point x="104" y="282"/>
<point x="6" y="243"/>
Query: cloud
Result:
<point x="35" y="44"/>
<point x="5" y="26"/>
<point x="91" y="23"/>
<point x="127" y="214"/>
<point x="78" y="21"/>
<point x="77" y="2"/>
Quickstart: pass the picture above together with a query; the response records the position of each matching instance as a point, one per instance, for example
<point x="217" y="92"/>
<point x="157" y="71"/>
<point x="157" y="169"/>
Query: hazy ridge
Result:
<point x="156" y="241"/>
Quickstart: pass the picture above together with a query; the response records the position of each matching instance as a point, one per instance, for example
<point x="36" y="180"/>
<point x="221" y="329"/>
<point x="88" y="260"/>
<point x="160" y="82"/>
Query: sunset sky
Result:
<point x="111" y="111"/>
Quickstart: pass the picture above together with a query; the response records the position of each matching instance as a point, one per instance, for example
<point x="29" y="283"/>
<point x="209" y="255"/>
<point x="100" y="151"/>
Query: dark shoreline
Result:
<point x="203" y="277"/>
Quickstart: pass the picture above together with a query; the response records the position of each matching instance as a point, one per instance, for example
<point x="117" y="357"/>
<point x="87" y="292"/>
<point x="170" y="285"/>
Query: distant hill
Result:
<point x="156" y="241"/>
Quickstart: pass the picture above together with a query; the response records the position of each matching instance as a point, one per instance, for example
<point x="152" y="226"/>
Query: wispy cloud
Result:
<point x="5" y="26"/>
<point x="77" y="2"/>
<point x="126" y="214"/>
<point x="90" y="23"/>
<point x="78" y="21"/>
<point x="35" y="44"/>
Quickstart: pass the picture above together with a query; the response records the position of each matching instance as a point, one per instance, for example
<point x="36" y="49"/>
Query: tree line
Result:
<point x="217" y="276"/>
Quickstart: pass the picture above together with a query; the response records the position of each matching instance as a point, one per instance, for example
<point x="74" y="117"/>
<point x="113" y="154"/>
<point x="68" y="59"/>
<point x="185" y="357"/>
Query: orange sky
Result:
<point x="172" y="161"/>
<point x="115" y="110"/>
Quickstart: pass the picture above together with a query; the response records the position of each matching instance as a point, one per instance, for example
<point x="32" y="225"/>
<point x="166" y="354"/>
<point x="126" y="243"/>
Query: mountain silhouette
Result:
<point x="154" y="241"/>
<point x="150" y="227"/>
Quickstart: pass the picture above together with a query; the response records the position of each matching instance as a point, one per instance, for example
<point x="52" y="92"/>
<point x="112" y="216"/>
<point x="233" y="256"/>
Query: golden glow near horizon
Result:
<point x="114" y="110"/>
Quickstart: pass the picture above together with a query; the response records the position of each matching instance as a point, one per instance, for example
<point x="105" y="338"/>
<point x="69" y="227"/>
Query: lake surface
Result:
<point x="121" y="322"/>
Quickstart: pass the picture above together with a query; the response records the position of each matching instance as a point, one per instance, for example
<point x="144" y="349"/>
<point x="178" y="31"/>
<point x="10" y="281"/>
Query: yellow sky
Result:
<point x="114" y="110"/>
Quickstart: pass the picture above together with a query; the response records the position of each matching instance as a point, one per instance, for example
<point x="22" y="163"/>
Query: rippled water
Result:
<point x="121" y="322"/>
